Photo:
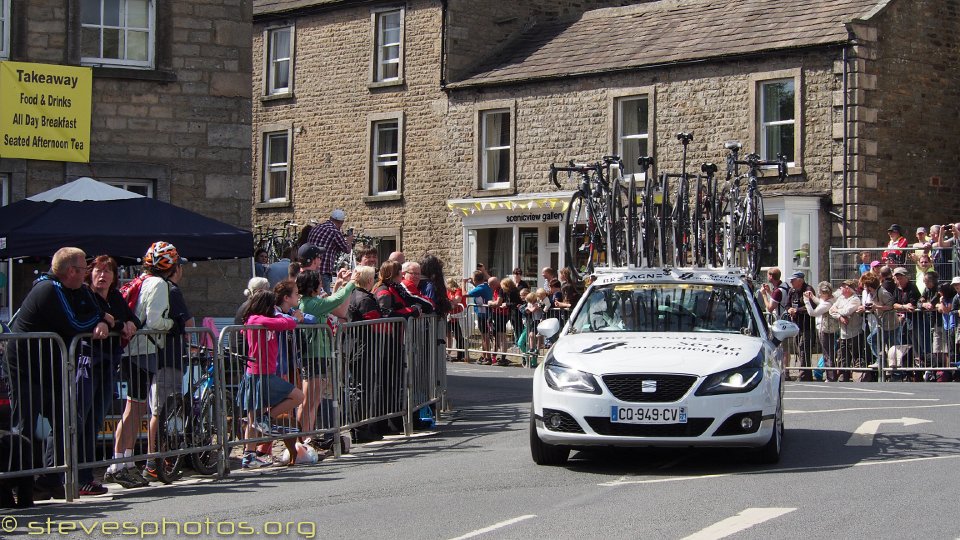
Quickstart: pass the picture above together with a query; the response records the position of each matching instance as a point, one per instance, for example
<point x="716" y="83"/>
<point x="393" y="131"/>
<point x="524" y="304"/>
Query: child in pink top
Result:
<point x="262" y="393"/>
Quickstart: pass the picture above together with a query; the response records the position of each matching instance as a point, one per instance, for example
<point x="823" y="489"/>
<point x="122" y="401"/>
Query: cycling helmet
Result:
<point x="161" y="256"/>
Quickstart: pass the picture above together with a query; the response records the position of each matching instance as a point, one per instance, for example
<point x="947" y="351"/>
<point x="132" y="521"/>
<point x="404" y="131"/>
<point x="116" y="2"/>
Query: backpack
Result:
<point x="784" y="295"/>
<point x="131" y="291"/>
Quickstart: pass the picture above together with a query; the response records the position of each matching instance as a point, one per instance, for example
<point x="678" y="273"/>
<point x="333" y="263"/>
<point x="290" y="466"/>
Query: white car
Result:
<point x="661" y="357"/>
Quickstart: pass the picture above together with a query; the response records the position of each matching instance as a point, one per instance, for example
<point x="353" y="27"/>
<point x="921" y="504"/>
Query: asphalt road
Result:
<point x="860" y="461"/>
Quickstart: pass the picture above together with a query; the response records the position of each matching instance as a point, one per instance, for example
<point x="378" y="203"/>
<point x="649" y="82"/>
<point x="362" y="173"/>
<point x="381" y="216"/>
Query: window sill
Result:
<point x="382" y="198"/>
<point x="277" y="97"/>
<point x="496" y="192"/>
<point x="134" y="74"/>
<point x="771" y="173"/>
<point x="373" y="85"/>
<point x="273" y="204"/>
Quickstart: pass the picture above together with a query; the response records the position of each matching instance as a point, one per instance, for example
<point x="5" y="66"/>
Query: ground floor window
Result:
<point x="501" y="249"/>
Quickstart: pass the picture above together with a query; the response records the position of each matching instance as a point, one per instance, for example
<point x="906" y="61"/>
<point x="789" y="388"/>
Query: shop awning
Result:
<point x="558" y="200"/>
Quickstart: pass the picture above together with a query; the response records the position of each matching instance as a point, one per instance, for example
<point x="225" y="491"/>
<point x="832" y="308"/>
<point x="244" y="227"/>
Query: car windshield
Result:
<point x="666" y="307"/>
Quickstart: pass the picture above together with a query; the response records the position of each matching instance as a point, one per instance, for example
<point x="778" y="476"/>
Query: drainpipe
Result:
<point x="846" y="157"/>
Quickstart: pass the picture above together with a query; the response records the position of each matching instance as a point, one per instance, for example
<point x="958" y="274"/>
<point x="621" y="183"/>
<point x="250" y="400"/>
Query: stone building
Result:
<point x="170" y="112"/>
<point x="434" y="123"/>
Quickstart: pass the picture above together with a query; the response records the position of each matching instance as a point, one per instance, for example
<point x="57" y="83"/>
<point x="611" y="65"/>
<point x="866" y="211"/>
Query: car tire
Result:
<point x="769" y="454"/>
<point x="543" y="453"/>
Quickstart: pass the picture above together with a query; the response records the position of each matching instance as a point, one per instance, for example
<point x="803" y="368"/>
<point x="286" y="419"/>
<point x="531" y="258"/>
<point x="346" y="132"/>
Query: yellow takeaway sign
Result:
<point x="45" y="111"/>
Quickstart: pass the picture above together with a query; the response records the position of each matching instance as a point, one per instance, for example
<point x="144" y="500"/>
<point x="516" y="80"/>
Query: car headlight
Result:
<point x="565" y="379"/>
<point x="734" y="381"/>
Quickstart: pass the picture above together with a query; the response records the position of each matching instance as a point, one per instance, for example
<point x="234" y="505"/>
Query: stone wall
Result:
<point x="184" y="126"/>
<point x="912" y="58"/>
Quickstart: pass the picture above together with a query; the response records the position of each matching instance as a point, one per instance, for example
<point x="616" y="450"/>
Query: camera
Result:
<point x="350" y="231"/>
<point x="948" y="227"/>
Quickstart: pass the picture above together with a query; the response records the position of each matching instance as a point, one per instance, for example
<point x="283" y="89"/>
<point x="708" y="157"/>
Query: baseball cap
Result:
<point x="338" y="215"/>
<point x="894" y="227"/>
<point x="797" y="275"/>
<point x="308" y="252"/>
<point x="898" y="271"/>
<point x="875" y="264"/>
<point x="955" y="281"/>
<point x="922" y="229"/>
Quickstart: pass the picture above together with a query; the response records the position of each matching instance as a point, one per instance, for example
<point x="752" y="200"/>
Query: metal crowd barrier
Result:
<point x="845" y="263"/>
<point x="205" y="404"/>
<point x="479" y="326"/>
<point x="912" y="347"/>
<point x="38" y="427"/>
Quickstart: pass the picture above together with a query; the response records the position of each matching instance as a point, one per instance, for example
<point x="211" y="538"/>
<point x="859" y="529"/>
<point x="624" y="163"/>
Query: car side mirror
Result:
<point x="548" y="328"/>
<point x="782" y="330"/>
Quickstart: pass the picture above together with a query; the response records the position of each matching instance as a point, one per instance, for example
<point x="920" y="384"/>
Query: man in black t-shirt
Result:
<point x="797" y="312"/>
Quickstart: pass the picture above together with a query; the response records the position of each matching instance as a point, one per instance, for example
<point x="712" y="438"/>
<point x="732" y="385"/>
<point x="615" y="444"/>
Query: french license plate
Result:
<point x="648" y="415"/>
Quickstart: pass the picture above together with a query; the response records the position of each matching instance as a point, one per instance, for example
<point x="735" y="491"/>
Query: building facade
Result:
<point x="434" y="123"/>
<point x="170" y="113"/>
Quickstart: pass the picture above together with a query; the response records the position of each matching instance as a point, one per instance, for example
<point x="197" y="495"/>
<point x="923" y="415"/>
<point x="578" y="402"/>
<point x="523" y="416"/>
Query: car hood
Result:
<point x="695" y="353"/>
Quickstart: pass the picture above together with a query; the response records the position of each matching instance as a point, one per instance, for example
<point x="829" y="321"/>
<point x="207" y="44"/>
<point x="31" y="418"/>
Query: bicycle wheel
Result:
<point x="619" y="224"/>
<point x="753" y="233"/>
<point x="205" y="430"/>
<point x="680" y="221"/>
<point x="724" y="232"/>
<point x="633" y="225"/>
<point x="580" y="225"/>
<point x="171" y="435"/>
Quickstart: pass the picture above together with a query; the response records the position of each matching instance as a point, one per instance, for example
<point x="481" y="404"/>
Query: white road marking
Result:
<point x="495" y="526"/>
<point x="863" y="436"/>
<point x="857" y="399"/>
<point x="872" y="409"/>
<point x="622" y="480"/>
<point x="740" y="522"/>
<point x="851" y="388"/>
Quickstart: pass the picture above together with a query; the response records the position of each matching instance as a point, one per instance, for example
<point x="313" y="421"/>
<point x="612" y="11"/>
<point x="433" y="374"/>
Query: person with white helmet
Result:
<point x="149" y="373"/>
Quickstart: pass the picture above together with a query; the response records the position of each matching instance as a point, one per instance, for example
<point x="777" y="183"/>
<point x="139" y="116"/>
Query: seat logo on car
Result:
<point x="648" y="387"/>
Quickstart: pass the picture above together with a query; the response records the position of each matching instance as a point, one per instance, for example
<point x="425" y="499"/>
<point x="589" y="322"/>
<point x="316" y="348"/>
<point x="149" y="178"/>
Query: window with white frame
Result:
<point x="140" y="187"/>
<point x="118" y="32"/>
<point x="4" y="189"/>
<point x="633" y="130"/>
<point x="386" y="157"/>
<point x="4" y="29"/>
<point x="276" y="166"/>
<point x="777" y="118"/>
<point x="495" y="148"/>
<point x="388" y="45"/>
<point x="279" y="74"/>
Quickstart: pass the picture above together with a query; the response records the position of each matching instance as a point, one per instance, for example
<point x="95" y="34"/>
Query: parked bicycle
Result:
<point x="189" y="420"/>
<point x="744" y="228"/>
<point x="276" y="241"/>
<point x="594" y="223"/>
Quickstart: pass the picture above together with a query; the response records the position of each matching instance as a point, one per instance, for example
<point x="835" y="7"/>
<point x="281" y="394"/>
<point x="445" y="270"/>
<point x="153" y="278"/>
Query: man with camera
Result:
<point x="328" y="237"/>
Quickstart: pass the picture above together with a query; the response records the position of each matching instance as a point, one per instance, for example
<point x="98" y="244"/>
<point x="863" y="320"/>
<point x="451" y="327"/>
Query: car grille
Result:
<point x="629" y="387"/>
<point x="693" y="428"/>
<point x="567" y="423"/>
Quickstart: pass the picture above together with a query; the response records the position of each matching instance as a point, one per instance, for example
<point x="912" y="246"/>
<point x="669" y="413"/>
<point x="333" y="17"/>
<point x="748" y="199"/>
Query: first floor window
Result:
<point x="777" y="119"/>
<point x="633" y="131"/>
<point x="386" y="156"/>
<point x="276" y="170"/>
<point x="279" y="55"/>
<point x="387" y="49"/>
<point x="117" y="32"/>
<point x="495" y="151"/>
